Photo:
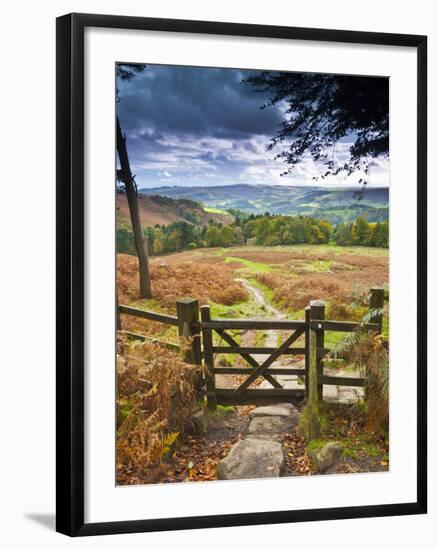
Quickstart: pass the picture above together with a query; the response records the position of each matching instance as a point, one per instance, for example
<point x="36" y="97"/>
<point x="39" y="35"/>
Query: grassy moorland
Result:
<point x="288" y="276"/>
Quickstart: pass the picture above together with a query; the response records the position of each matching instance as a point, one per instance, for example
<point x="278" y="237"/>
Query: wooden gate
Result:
<point x="190" y="330"/>
<point x="243" y="394"/>
<point x="314" y="321"/>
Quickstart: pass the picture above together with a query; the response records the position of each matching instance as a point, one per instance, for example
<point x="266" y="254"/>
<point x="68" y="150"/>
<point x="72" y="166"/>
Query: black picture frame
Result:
<point x="70" y="273"/>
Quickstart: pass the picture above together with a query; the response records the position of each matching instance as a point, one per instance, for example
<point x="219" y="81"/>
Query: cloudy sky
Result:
<point x="201" y="126"/>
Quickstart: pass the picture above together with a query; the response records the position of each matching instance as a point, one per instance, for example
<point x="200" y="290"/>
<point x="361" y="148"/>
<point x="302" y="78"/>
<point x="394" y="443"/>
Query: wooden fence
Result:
<point x="187" y="321"/>
<point x="195" y="323"/>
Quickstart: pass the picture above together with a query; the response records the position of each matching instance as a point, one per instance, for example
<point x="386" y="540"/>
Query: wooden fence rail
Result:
<point x="195" y="324"/>
<point x="252" y="324"/>
<point x="187" y="321"/>
<point x="343" y="326"/>
<point x="317" y="325"/>
<point x="150" y="315"/>
<point x="256" y="351"/>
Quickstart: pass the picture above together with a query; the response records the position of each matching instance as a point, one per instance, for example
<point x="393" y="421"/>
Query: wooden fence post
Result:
<point x="118" y="321"/>
<point x="307" y="348"/>
<point x="313" y="427"/>
<point x="188" y="329"/>
<point x="317" y="313"/>
<point x="187" y="312"/>
<point x="207" y="338"/>
<point x="377" y="299"/>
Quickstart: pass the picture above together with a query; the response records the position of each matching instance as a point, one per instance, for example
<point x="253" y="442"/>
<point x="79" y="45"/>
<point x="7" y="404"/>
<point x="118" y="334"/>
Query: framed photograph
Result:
<point x="241" y="274"/>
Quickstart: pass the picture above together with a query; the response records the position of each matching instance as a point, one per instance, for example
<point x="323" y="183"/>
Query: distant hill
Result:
<point x="333" y="204"/>
<point x="165" y="211"/>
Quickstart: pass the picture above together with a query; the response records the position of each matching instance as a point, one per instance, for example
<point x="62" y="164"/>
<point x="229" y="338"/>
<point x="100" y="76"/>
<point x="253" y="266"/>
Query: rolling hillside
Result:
<point x="165" y="211"/>
<point x="335" y="204"/>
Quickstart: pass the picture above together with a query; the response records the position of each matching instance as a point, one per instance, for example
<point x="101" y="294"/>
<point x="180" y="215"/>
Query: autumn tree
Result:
<point x="361" y="232"/>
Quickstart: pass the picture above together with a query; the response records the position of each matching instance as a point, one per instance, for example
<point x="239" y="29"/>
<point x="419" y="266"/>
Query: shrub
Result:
<point x="359" y="295"/>
<point x="368" y="353"/>
<point x="296" y="293"/>
<point x="155" y="400"/>
<point x="171" y="282"/>
<point x="342" y="312"/>
<point x="125" y="241"/>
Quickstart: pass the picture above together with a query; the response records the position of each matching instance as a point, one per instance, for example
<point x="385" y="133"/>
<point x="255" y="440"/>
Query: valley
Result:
<point x="337" y="205"/>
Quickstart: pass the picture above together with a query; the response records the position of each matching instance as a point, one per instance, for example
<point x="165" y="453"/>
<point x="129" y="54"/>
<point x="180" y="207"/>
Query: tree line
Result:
<point x="178" y="236"/>
<point x="267" y="230"/>
<point x="263" y="230"/>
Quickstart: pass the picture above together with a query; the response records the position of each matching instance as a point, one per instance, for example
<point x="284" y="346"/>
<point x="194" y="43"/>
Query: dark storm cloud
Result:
<point x="200" y="126"/>
<point x="193" y="100"/>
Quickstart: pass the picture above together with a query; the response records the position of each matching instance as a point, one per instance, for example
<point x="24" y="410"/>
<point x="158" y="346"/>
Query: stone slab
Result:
<point x="252" y="458"/>
<point x="272" y="425"/>
<point x="280" y="409"/>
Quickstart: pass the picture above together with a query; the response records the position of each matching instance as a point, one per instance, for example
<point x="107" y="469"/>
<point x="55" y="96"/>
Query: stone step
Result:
<point x="261" y="453"/>
<point x="252" y="458"/>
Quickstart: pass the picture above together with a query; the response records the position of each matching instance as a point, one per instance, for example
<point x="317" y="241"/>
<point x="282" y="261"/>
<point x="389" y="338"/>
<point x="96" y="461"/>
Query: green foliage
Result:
<point x="356" y="446"/>
<point x="271" y="230"/>
<point x="315" y="445"/>
<point x="368" y="354"/>
<point x="362" y="233"/>
<point x="218" y="235"/>
<point x="249" y="264"/>
<point x="125" y="242"/>
<point x="283" y="230"/>
<point x="267" y="230"/>
<point x="343" y="235"/>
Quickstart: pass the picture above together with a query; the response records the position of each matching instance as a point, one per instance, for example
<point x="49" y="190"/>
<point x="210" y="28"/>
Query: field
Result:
<point x="287" y="277"/>
<point x="245" y="282"/>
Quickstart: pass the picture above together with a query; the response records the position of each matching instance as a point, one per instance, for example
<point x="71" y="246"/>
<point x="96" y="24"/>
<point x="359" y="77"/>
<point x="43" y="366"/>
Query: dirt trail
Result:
<point x="260" y="299"/>
<point x="267" y="311"/>
<point x="340" y="394"/>
<point x="271" y="339"/>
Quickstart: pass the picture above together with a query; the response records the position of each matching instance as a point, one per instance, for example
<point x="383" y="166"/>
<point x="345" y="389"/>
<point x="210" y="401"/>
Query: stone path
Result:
<point x="260" y="453"/>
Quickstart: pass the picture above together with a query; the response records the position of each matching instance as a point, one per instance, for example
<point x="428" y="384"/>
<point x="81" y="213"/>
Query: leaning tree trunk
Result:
<point x="131" y="195"/>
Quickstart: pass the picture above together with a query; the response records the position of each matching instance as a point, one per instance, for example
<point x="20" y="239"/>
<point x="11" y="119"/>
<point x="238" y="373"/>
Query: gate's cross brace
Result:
<point x="248" y="358"/>
<point x="260" y="370"/>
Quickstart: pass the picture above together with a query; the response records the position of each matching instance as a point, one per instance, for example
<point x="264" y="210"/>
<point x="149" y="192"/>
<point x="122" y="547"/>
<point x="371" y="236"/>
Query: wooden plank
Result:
<point x="273" y="357"/>
<point x="256" y="351"/>
<point x="253" y="324"/>
<point x="341" y="381"/>
<point x="248" y="370"/>
<point x="230" y="340"/>
<point x="133" y="335"/>
<point x="258" y="397"/>
<point x="150" y="315"/>
<point x="260" y="391"/>
<point x="341" y="326"/>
